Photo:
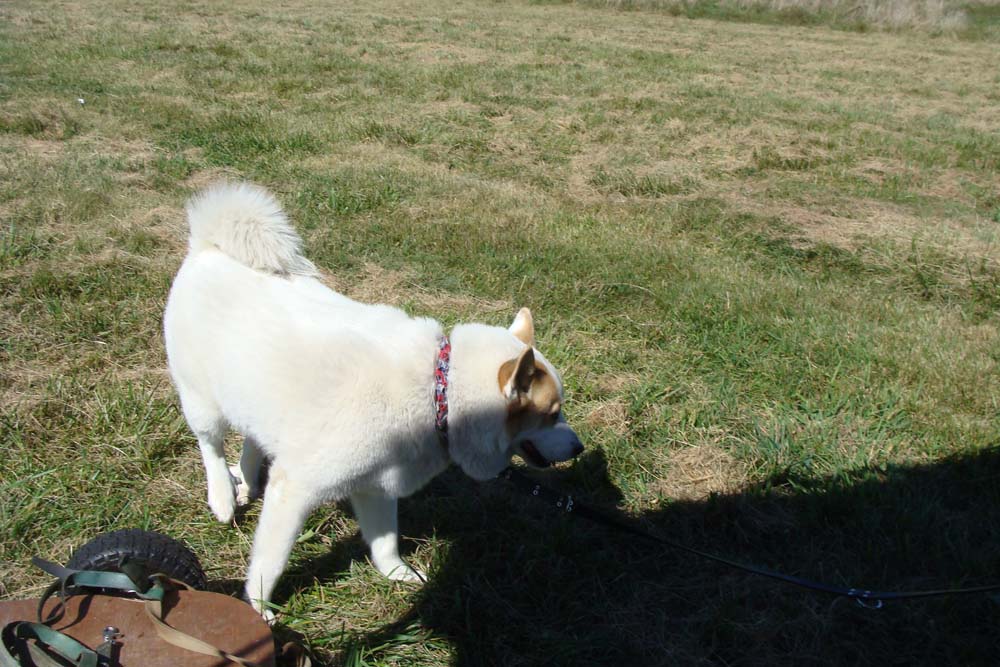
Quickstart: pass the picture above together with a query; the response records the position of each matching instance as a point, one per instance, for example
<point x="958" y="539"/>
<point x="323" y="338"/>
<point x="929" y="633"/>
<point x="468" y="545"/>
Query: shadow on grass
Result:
<point x="523" y="585"/>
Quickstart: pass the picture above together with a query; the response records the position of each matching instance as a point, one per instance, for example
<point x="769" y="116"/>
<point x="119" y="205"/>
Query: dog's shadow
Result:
<point x="522" y="584"/>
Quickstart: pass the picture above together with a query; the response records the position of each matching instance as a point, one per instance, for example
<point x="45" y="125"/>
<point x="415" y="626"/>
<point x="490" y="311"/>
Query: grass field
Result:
<point x="764" y="257"/>
<point x="969" y="20"/>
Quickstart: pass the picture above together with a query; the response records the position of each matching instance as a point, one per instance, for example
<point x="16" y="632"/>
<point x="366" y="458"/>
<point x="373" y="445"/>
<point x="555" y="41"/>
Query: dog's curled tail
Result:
<point x="247" y="223"/>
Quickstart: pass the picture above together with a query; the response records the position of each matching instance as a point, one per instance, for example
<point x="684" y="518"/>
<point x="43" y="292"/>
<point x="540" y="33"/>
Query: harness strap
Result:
<point x="171" y="635"/>
<point x="63" y="645"/>
<point x="69" y="579"/>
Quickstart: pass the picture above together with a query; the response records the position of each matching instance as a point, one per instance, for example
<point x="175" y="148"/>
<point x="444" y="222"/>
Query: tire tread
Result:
<point x="160" y="553"/>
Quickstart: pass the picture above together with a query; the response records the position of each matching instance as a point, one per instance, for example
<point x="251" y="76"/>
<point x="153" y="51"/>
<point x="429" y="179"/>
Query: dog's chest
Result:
<point x="407" y="472"/>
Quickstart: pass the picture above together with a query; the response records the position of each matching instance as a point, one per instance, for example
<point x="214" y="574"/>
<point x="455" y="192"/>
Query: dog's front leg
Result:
<point x="376" y="515"/>
<point x="286" y="507"/>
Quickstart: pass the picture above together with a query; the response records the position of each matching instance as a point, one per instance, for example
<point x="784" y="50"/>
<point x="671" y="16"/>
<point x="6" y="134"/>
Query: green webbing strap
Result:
<point x="64" y="645"/>
<point x="96" y="579"/>
<point x="69" y="578"/>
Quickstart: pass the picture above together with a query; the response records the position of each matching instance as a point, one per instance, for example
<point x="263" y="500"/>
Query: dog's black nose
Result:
<point x="577" y="448"/>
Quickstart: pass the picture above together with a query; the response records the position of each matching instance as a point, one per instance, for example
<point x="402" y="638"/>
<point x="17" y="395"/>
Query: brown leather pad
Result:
<point x="227" y="623"/>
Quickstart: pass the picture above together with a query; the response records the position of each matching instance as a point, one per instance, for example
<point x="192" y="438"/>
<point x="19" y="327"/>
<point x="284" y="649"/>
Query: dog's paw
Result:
<point x="222" y="503"/>
<point x="402" y="572"/>
<point x="245" y="494"/>
<point x="265" y="612"/>
<point x="265" y="609"/>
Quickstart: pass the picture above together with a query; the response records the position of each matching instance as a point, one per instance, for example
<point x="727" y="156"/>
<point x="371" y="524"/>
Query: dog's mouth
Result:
<point x="531" y="455"/>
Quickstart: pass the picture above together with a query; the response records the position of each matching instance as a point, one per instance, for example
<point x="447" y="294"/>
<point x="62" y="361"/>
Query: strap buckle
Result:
<point x="106" y="649"/>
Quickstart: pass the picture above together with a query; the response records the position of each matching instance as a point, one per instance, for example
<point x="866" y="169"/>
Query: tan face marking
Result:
<point x="535" y="400"/>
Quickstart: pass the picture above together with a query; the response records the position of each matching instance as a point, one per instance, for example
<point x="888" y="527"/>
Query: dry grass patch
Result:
<point x="698" y="471"/>
<point x="167" y="223"/>
<point x="933" y="16"/>
<point x="612" y="383"/>
<point x="401" y="288"/>
<point x="611" y="415"/>
<point x="204" y="178"/>
<point x="35" y="148"/>
<point x="926" y="15"/>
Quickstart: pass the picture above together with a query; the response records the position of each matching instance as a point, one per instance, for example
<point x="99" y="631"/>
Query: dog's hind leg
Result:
<point x="247" y="473"/>
<point x="376" y="514"/>
<point x="286" y="506"/>
<point x="209" y="426"/>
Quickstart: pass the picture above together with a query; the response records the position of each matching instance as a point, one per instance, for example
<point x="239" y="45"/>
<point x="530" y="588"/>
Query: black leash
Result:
<point x="866" y="598"/>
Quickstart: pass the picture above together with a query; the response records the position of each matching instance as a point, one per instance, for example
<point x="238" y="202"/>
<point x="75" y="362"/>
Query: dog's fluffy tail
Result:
<point x="247" y="223"/>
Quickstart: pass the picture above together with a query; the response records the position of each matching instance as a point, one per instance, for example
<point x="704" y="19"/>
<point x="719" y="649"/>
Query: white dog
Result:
<point x="346" y="399"/>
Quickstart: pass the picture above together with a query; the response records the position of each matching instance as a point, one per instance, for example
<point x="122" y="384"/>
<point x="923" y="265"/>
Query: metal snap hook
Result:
<point x="863" y="598"/>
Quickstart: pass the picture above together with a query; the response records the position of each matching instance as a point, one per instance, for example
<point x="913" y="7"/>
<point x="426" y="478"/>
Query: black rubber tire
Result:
<point x="156" y="552"/>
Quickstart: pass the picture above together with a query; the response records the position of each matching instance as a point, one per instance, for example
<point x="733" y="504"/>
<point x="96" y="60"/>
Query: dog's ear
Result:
<point x="523" y="327"/>
<point x="516" y="375"/>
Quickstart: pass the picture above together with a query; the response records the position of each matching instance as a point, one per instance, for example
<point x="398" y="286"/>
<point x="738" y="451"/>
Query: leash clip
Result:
<point x="873" y="604"/>
<point x="864" y="599"/>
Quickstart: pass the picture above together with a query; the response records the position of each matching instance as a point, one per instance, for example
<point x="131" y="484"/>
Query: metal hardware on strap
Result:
<point x="106" y="649"/>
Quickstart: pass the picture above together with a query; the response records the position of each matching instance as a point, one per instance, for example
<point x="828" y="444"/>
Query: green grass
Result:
<point x="764" y="257"/>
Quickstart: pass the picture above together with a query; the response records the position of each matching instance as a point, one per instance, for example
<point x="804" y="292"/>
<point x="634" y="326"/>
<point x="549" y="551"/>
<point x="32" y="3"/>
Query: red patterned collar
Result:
<point x="441" y="388"/>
